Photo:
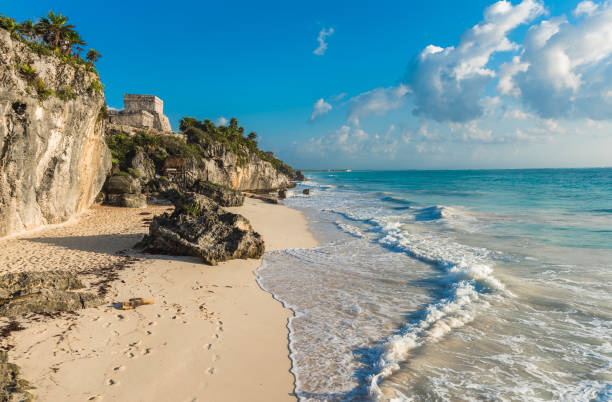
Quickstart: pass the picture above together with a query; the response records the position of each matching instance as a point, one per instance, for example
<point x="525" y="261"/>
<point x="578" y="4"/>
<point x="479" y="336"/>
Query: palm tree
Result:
<point x="93" y="56"/>
<point x="71" y="40"/>
<point x="252" y="136"/>
<point x="27" y="29"/>
<point x="54" y="29"/>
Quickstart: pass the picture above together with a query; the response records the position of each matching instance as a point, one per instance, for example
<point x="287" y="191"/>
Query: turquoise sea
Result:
<point x="451" y="285"/>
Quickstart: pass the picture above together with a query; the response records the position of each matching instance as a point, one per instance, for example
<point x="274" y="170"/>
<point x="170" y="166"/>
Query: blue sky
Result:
<point x="387" y="90"/>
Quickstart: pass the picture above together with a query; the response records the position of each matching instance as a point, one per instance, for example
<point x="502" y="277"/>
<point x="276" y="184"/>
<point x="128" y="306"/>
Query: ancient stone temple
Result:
<point x="142" y="111"/>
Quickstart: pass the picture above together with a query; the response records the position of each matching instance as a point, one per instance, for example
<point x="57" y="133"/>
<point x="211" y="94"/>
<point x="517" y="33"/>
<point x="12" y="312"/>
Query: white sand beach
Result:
<point x="212" y="334"/>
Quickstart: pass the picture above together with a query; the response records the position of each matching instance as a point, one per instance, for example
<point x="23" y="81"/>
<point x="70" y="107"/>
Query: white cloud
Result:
<point x="569" y="67"/>
<point x="585" y="8"/>
<point x="338" y="97"/>
<point x="323" y="34"/>
<point x="320" y="108"/>
<point x="221" y="121"/>
<point x="517" y="114"/>
<point x="448" y="83"/>
<point x="377" y="101"/>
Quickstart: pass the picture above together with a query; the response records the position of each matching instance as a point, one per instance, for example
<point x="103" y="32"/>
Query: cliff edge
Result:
<point x="53" y="157"/>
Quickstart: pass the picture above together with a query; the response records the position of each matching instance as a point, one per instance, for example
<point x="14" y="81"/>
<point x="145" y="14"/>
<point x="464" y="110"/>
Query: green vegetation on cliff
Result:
<point x="158" y="147"/>
<point x="195" y="145"/>
<point x="52" y="34"/>
<point x="232" y="136"/>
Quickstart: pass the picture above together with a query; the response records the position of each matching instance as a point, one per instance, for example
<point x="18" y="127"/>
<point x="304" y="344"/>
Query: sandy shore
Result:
<point x="212" y="334"/>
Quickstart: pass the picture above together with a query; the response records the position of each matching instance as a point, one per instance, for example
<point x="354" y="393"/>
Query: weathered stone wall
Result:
<point x="136" y="107"/>
<point x="150" y="103"/>
<point x="53" y="158"/>
<point x="139" y="118"/>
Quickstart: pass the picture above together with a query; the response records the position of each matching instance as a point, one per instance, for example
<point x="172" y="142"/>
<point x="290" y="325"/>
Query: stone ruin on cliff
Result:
<point x="141" y="111"/>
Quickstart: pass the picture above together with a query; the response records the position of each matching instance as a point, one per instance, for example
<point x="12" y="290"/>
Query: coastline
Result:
<point x="212" y="334"/>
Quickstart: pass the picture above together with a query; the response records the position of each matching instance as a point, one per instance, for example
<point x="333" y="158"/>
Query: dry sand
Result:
<point x="212" y="334"/>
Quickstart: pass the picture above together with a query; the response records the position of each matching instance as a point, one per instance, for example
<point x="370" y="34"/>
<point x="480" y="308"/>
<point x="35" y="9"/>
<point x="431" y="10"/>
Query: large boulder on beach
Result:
<point x="43" y="292"/>
<point x="201" y="228"/>
<point x="222" y="195"/>
<point x="121" y="184"/>
<point x="124" y="191"/>
<point x="127" y="200"/>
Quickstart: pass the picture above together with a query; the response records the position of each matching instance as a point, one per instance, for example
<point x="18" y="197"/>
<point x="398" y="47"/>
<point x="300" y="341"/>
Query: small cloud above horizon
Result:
<point x="320" y="108"/>
<point x="221" y="121"/>
<point x="323" y="34"/>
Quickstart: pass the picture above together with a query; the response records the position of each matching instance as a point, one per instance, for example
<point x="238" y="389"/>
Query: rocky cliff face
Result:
<point x="224" y="168"/>
<point x="149" y="152"/>
<point x="53" y="158"/>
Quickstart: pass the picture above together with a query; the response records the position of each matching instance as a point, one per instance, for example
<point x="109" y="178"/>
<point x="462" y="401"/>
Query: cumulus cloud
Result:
<point x="376" y="102"/>
<point x="354" y="142"/>
<point x="566" y="69"/>
<point x="221" y="121"/>
<point x="320" y="108"/>
<point x="448" y="83"/>
<point x="323" y="34"/>
<point x="585" y="8"/>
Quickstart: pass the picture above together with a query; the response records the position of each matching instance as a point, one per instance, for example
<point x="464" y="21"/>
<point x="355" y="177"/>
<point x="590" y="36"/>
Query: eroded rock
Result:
<point x="224" y="196"/>
<point x="12" y="386"/>
<point x="53" y="158"/>
<point x="199" y="227"/>
<point x="43" y="292"/>
<point x="143" y="166"/>
<point x="124" y="191"/>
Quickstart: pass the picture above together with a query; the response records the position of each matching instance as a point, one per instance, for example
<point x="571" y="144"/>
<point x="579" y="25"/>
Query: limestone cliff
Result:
<point x="53" y="158"/>
<point x="243" y="170"/>
<point x="225" y="168"/>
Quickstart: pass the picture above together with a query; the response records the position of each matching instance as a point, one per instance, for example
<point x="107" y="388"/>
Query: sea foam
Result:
<point x="466" y="276"/>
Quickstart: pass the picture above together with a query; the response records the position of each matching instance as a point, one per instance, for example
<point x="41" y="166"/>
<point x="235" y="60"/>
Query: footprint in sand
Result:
<point x="112" y="382"/>
<point x="216" y="358"/>
<point x="211" y="370"/>
<point x="119" y="368"/>
<point x="209" y="346"/>
<point x="147" y="351"/>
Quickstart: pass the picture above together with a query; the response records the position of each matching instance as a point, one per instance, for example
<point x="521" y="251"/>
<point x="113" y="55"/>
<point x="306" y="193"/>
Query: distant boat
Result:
<point x="348" y="170"/>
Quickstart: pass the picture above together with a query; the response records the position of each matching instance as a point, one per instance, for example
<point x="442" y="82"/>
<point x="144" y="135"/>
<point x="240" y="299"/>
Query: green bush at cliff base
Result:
<point x="158" y="147"/>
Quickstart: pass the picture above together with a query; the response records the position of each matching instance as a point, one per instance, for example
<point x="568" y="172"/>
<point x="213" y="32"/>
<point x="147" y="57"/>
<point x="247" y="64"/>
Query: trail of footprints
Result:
<point x="137" y="348"/>
<point x="210" y="347"/>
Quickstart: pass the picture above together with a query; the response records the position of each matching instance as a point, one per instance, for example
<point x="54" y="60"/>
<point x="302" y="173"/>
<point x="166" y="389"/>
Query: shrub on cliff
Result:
<point x="232" y="136"/>
<point x="52" y="34"/>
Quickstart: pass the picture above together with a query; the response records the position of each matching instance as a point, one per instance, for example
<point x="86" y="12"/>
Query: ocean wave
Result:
<point x="437" y="212"/>
<point x="312" y="183"/>
<point x="396" y="200"/>
<point x="588" y="390"/>
<point x="350" y="229"/>
<point x="467" y="278"/>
